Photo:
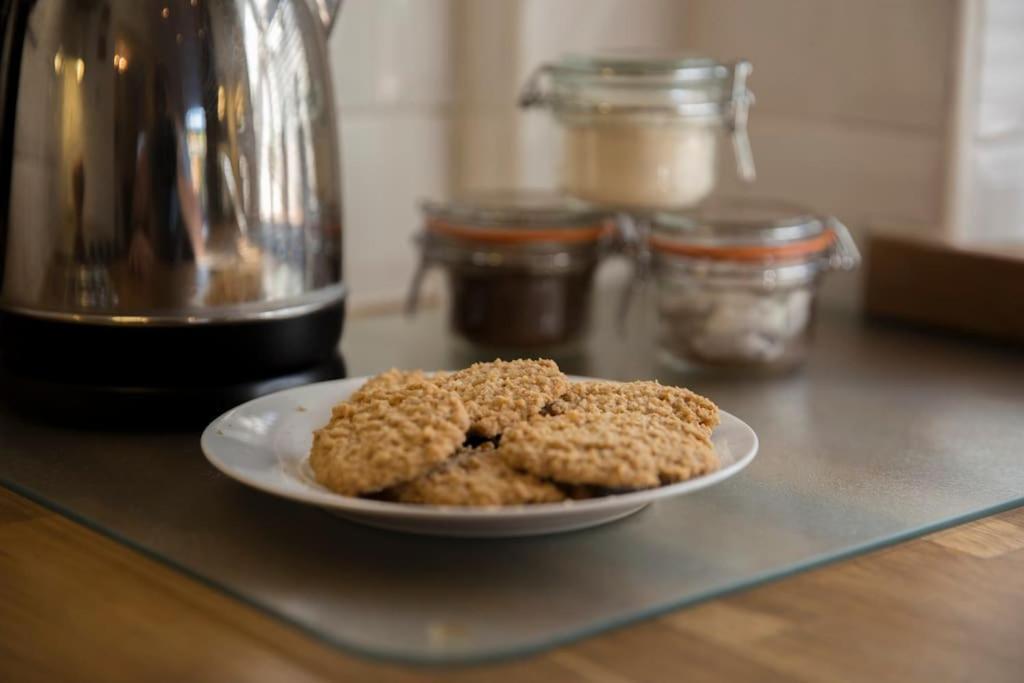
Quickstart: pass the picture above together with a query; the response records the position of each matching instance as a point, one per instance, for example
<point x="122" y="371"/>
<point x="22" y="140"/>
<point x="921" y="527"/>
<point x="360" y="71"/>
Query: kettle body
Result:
<point x="169" y="174"/>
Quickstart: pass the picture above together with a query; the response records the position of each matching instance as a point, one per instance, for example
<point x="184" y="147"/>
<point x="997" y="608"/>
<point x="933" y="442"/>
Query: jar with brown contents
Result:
<point x="520" y="267"/>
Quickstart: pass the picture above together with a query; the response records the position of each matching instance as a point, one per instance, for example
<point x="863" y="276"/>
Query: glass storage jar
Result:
<point x="642" y="131"/>
<point x="520" y="267"/>
<point x="737" y="282"/>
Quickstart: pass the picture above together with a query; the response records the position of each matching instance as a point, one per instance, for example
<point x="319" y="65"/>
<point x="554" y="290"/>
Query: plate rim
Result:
<point x="357" y="505"/>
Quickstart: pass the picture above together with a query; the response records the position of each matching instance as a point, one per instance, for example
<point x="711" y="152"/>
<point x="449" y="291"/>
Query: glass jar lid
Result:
<point x="516" y="216"/>
<point x="679" y="66"/>
<point x="624" y="82"/>
<point x="753" y="230"/>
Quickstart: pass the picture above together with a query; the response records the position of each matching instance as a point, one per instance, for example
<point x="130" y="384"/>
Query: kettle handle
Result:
<point x="327" y="10"/>
<point x="13" y="31"/>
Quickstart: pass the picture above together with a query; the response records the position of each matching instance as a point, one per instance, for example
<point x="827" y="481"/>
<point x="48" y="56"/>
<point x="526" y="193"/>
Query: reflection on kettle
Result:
<point x="168" y="161"/>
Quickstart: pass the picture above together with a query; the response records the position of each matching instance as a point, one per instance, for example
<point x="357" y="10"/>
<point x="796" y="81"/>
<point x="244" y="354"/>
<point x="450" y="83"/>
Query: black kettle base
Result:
<point x="133" y="408"/>
<point x="108" y="377"/>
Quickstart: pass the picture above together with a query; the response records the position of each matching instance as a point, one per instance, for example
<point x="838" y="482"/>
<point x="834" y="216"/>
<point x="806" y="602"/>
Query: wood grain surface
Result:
<point x="77" y="606"/>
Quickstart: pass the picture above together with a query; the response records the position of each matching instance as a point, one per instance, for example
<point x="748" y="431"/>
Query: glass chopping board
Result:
<point x="886" y="434"/>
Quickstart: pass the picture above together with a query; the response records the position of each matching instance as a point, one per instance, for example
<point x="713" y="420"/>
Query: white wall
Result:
<point x="392" y="66"/>
<point x="987" y="189"/>
<point x="853" y="105"/>
<point x="503" y="41"/>
<point x="853" y="111"/>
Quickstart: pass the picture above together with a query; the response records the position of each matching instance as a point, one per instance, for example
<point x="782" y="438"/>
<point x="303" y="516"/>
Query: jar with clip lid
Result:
<point x="737" y="282"/>
<point x="520" y="267"/>
<point x="642" y="131"/>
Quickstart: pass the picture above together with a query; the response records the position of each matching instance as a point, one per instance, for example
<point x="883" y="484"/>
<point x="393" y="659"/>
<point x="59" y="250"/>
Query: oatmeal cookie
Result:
<point x="703" y="406"/>
<point x="500" y="394"/>
<point x="388" y="437"/>
<point x="650" y="398"/>
<point x="476" y="476"/>
<point x="691" y="456"/>
<point x="610" y="450"/>
<point x="394" y="379"/>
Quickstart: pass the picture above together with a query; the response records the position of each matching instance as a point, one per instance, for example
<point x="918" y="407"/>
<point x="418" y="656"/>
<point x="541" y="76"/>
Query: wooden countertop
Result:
<point x="78" y="606"/>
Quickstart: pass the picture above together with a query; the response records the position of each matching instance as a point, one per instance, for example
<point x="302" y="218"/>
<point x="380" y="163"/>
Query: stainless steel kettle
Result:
<point x="169" y="187"/>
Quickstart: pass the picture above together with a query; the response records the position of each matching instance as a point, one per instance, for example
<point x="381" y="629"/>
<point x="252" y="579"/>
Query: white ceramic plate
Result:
<point x="264" y="443"/>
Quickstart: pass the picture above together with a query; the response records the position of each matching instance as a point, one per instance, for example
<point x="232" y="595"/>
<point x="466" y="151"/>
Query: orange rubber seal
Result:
<point x="813" y="245"/>
<point x="587" y="233"/>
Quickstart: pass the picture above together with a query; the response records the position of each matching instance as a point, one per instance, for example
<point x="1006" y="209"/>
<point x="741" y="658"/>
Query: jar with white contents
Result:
<point x="737" y="282"/>
<point x="642" y="131"/>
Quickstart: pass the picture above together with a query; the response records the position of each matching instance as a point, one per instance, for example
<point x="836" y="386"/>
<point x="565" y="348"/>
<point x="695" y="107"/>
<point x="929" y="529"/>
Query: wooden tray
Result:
<point x="977" y="289"/>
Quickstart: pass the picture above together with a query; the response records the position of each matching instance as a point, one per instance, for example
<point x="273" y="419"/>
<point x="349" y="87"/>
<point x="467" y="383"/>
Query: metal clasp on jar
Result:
<point x="742" y="98"/>
<point x="844" y="254"/>
<point x="633" y="233"/>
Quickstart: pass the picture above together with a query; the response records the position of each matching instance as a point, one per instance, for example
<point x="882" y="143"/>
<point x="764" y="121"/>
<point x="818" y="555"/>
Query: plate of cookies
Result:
<point x="505" y="448"/>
